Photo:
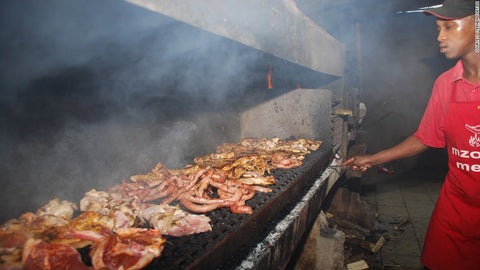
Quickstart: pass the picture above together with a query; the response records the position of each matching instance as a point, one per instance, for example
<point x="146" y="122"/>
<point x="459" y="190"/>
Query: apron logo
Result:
<point x="474" y="140"/>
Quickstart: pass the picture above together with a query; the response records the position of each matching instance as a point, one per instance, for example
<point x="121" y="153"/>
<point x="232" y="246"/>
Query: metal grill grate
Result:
<point x="231" y="231"/>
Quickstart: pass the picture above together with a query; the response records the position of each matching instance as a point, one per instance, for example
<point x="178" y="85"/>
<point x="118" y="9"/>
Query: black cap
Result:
<point x="453" y="9"/>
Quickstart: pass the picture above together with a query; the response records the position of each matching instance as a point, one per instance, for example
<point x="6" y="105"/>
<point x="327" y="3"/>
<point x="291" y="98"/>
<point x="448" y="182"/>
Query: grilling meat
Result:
<point x="131" y="248"/>
<point x="37" y="254"/>
<point x="58" y="208"/>
<point x="11" y="245"/>
<point x="126" y="248"/>
<point x="43" y="225"/>
<point x="110" y="220"/>
<point x="215" y="160"/>
<point x="278" y="153"/>
<point x="283" y="159"/>
<point x="246" y="164"/>
<point x="122" y="209"/>
<point x="263" y="146"/>
<point x="258" y="180"/>
<point x="171" y="220"/>
<point x="38" y="226"/>
<point x="209" y="184"/>
<point x="91" y="222"/>
<point x="196" y="192"/>
<point x="114" y="211"/>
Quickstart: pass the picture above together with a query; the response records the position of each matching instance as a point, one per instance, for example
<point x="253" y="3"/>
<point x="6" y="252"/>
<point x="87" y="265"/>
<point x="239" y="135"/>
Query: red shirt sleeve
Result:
<point x="431" y="129"/>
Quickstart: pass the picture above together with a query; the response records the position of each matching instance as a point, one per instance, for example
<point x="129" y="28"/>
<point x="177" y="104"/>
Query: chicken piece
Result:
<point x="38" y="254"/>
<point x="44" y="227"/>
<point x="190" y="169"/>
<point x="12" y="239"/>
<point x="86" y="221"/>
<point x="159" y="173"/>
<point x="53" y="215"/>
<point x="130" y="248"/>
<point x="261" y="144"/>
<point x="260" y="180"/>
<point x="123" y="210"/>
<point x="242" y="165"/>
<point x="172" y="221"/>
<point x="11" y="260"/>
<point x="300" y="146"/>
<point x="58" y="208"/>
<point x="94" y="221"/>
<point x="15" y="233"/>
<point x="11" y="244"/>
<point x="215" y="160"/>
<point x="282" y="159"/>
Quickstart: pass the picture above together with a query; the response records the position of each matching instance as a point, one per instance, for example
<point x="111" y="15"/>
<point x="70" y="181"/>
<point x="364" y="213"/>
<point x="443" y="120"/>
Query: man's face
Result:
<point x="456" y="37"/>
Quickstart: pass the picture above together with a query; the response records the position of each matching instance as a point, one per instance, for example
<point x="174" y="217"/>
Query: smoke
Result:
<point x="96" y="91"/>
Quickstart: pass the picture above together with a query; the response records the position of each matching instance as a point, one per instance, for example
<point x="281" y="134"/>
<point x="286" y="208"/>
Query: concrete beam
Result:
<point x="276" y="27"/>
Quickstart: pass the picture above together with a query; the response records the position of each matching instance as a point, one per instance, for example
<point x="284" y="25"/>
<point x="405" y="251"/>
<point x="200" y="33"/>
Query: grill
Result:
<point x="233" y="234"/>
<point x="145" y="100"/>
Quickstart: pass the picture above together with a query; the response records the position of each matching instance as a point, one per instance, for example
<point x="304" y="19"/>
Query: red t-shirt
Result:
<point x="431" y="129"/>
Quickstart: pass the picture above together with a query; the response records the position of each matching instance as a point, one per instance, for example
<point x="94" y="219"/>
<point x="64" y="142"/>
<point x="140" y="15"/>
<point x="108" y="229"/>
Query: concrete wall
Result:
<point x="301" y="113"/>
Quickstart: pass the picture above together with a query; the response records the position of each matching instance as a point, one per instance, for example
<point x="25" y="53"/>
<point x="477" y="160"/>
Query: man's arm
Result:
<point x="409" y="147"/>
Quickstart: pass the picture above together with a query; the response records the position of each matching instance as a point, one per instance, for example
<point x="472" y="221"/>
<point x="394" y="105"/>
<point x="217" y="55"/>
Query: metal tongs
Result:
<point x="336" y="163"/>
<point x="380" y="168"/>
<point x="339" y="166"/>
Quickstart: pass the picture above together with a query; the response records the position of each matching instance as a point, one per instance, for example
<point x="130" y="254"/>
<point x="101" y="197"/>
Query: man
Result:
<point x="452" y="119"/>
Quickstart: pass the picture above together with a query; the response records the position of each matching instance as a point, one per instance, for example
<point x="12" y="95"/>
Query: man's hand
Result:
<point x="359" y="163"/>
<point x="409" y="147"/>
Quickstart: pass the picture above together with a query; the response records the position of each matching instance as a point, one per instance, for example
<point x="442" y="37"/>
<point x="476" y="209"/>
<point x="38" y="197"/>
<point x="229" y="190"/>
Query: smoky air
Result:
<point x="93" y="92"/>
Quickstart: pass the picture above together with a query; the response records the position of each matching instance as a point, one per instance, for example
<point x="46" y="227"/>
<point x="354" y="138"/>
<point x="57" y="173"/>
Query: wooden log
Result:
<point x="375" y="248"/>
<point x="401" y="224"/>
<point x="351" y="225"/>
<point x="358" y="265"/>
<point x="370" y="246"/>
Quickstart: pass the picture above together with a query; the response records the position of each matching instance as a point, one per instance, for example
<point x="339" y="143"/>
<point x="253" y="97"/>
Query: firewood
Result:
<point x="348" y="224"/>
<point x="350" y="236"/>
<point x="401" y="224"/>
<point x="358" y="265"/>
<point x="375" y="248"/>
